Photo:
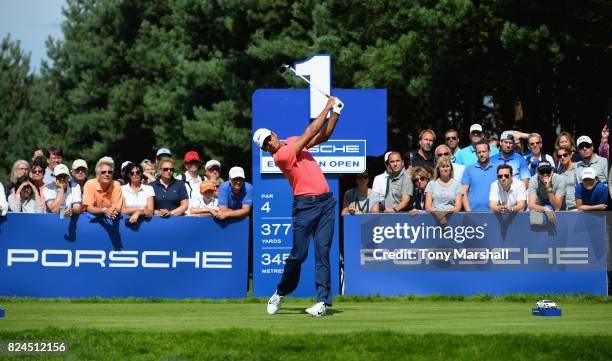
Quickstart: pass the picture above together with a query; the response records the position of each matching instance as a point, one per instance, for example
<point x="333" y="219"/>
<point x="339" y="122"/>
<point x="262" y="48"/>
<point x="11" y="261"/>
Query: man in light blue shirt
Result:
<point x="467" y="156"/>
<point x="477" y="179"/>
<point x="520" y="170"/>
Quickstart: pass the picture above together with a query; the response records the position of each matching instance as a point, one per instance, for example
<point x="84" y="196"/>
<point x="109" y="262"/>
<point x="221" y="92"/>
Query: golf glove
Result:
<point x="338" y="106"/>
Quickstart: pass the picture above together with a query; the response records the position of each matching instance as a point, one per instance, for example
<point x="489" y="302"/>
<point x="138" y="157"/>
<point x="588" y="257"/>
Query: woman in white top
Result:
<point x="507" y="194"/>
<point x="25" y="197"/>
<point x="444" y="193"/>
<point x="137" y="197"/>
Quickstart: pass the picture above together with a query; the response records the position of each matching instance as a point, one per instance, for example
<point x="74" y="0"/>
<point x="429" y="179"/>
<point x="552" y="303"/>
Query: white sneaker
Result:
<point x="274" y="303"/>
<point x="317" y="310"/>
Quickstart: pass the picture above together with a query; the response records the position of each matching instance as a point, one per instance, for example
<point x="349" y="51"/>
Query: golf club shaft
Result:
<point x="307" y="81"/>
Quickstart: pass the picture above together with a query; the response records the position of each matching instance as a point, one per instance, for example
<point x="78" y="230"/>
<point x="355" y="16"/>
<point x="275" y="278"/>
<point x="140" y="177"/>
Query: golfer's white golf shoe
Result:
<point x="274" y="303"/>
<point x="317" y="310"/>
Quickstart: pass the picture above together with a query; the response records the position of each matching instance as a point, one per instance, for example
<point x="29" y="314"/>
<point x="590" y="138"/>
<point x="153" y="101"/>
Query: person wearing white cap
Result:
<point x="379" y="185"/>
<point x="590" y="160"/>
<point x="313" y="205"/>
<point x="467" y="155"/>
<point x="235" y="196"/>
<point x="162" y="153"/>
<point x="212" y="169"/>
<point x="591" y="195"/>
<point x="509" y="156"/>
<point x="546" y="191"/>
<point x="61" y="194"/>
<point x="79" y="173"/>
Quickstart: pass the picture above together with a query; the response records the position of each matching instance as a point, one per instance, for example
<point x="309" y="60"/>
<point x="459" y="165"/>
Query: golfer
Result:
<point x="313" y="205"/>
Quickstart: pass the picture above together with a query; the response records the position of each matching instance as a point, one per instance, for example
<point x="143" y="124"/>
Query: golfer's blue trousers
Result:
<point x="313" y="217"/>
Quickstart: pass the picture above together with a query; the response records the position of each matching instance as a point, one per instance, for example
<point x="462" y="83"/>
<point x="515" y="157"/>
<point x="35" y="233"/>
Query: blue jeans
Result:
<point x="313" y="217"/>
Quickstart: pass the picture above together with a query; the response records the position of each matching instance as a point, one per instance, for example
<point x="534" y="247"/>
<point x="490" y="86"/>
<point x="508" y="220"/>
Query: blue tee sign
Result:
<point x="287" y="113"/>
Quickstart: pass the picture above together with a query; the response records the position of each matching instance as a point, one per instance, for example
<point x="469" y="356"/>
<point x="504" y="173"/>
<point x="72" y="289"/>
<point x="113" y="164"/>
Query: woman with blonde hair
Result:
<point x="444" y="193"/>
<point x="20" y="168"/>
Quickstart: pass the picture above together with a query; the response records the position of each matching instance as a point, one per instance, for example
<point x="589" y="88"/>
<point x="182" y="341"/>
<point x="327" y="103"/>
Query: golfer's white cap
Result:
<point x="584" y="139"/>
<point x="259" y="137"/>
<point x="476" y="127"/>
<point x="236" y="172"/>
<point x="587" y="173"/>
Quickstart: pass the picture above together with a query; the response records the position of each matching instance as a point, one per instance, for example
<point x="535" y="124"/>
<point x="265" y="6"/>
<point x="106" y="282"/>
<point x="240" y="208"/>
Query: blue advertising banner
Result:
<point x="474" y="252"/>
<point x="179" y="257"/>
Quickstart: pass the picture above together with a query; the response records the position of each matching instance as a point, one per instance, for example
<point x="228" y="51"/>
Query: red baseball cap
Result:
<point x="191" y="156"/>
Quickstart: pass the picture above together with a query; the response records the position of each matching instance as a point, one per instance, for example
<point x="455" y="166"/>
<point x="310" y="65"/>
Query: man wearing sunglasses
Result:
<point x="102" y="195"/>
<point x="313" y="205"/>
<point x="467" y="156"/>
<point x="451" y="139"/>
<point x="590" y="160"/>
<point x="534" y="142"/>
<point x="546" y="192"/>
<point x="508" y="193"/>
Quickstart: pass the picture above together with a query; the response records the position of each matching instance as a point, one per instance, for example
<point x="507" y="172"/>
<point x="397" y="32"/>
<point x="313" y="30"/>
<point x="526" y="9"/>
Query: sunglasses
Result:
<point x="588" y="180"/>
<point x="195" y="162"/>
<point x="421" y="179"/>
<point x="105" y="172"/>
<point x="137" y="172"/>
<point x="168" y="169"/>
<point x="37" y="172"/>
<point x="80" y="170"/>
<point x="451" y="138"/>
<point x="536" y="143"/>
<point x="562" y="155"/>
<point x="476" y="133"/>
<point x="442" y="154"/>
<point x="502" y="176"/>
<point x="545" y="172"/>
<point x="584" y="146"/>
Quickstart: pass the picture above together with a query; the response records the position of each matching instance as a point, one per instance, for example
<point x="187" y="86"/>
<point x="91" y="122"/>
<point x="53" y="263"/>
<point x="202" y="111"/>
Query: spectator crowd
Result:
<point x="491" y="174"/>
<point x="47" y="185"/>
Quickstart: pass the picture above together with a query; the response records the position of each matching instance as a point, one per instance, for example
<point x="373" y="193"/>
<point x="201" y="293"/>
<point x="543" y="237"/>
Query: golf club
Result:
<point x="283" y="68"/>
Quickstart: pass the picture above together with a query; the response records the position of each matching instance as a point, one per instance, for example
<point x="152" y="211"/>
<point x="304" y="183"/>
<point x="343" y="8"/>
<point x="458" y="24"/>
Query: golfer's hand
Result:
<point x="330" y="102"/>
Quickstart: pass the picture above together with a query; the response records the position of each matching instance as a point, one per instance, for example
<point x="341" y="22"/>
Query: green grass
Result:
<point x="414" y="328"/>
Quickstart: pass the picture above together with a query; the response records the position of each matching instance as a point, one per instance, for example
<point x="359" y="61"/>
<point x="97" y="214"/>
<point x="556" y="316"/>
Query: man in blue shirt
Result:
<point x="235" y="196"/>
<point x="467" y="156"/>
<point x="477" y="179"/>
<point x="508" y="156"/>
<point x="590" y="194"/>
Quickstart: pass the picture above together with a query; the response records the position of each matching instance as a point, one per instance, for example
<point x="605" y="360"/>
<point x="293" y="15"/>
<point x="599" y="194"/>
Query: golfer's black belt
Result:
<point x="320" y="197"/>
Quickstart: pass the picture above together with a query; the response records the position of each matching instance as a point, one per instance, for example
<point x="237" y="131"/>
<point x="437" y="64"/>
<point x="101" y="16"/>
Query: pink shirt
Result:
<point x="302" y="171"/>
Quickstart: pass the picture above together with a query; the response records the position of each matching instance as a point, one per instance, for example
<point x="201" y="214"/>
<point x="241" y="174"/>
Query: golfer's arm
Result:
<point x="311" y="131"/>
<point x="325" y="132"/>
